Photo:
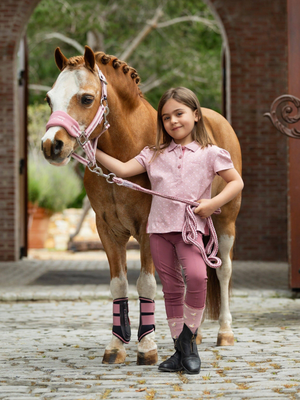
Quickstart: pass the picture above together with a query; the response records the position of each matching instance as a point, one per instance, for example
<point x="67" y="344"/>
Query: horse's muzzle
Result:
<point x="56" y="152"/>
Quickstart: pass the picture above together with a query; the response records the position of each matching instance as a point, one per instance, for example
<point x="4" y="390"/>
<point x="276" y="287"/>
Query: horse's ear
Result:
<point x="89" y="58"/>
<point x="60" y="59"/>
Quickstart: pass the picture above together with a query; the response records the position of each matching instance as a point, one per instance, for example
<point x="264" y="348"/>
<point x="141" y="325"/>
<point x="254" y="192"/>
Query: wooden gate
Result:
<point x="22" y="113"/>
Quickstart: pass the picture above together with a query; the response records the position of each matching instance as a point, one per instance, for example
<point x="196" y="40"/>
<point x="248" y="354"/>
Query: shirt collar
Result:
<point x="191" y="146"/>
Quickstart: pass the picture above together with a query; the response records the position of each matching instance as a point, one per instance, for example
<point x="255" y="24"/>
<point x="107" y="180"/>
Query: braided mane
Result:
<point x="105" y="59"/>
<point x="74" y="61"/>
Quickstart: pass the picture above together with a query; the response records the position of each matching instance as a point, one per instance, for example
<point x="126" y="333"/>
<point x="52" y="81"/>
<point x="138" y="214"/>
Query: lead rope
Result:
<point x="189" y="229"/>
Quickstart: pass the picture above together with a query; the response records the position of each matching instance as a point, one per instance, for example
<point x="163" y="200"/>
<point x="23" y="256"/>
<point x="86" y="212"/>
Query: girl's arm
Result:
<point x="234" y="186"/>
<point x="121" y="169"/>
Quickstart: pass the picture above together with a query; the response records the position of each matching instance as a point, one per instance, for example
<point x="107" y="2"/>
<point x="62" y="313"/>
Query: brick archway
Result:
<point x="14" y="16"/>
<point x="258" y="74"/>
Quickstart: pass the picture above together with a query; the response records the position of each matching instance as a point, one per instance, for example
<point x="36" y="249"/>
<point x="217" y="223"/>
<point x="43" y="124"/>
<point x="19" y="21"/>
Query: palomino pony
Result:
<point x="76" y="97"/>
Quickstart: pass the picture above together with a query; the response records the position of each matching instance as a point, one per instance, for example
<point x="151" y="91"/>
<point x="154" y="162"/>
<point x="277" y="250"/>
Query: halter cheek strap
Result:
<point x="64" y="120"/>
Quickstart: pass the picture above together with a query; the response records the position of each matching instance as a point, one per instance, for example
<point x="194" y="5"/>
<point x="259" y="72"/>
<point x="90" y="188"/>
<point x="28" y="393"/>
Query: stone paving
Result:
<point x="53" y="337"/>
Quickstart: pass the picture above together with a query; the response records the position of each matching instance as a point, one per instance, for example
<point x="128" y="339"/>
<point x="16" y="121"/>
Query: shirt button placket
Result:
<point x="180" y="158"/>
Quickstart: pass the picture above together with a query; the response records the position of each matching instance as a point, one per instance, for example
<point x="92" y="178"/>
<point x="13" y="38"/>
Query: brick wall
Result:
<point x="257" y="36"/>
<point x="14" y="15"/>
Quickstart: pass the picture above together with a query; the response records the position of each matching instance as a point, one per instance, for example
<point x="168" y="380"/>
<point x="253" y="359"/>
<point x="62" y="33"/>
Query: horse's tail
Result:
<point x="213" y="298"/>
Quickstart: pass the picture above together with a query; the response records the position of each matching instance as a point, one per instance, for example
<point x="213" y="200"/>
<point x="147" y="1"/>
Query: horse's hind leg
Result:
<point x="225" y="334"/>
<point x="146" y="287"/>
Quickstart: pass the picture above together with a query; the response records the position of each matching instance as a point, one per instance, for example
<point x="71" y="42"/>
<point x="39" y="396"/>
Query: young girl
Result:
<point x="182" y="163"/>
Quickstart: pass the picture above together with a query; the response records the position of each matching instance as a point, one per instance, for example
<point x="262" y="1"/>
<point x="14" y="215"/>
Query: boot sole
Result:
<point x="190" y="372"/>
<point x="170" y="370"/>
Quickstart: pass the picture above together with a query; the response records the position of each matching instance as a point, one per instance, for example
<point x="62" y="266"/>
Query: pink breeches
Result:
<point x="169" y="253"/>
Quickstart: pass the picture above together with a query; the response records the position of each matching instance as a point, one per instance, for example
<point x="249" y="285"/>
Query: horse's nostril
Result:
<point x="58" y="146"/>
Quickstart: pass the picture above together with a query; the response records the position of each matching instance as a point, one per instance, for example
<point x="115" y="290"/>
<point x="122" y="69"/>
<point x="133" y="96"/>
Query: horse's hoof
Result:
<point x="225" y="339"/>
<point x="199" y="338"/>
<point x="149" y="358"/>
<point x="114" y="356"/>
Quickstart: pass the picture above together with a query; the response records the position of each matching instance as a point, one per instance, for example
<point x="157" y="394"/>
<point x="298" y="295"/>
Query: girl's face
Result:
<point x="179" y="121"/>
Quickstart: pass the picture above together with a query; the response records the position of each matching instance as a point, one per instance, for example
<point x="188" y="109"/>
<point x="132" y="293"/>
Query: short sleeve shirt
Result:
<point x="183" y="171"/>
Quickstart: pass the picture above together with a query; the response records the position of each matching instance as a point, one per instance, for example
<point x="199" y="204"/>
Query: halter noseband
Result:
<point x="61" y="118"/>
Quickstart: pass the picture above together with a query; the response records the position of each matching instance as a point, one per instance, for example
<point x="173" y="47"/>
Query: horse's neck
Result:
<point x="132" y="120"/>
<point x="117" y="141"/>
<point x="121" y="87"/>
<point x="126" y="135"/>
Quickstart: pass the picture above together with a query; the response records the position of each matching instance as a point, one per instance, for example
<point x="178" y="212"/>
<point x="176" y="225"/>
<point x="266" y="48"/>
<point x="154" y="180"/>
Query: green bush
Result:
<point x="50" y="187"/>
<point x="38" y="115"/>
<point x="54" y="188"/>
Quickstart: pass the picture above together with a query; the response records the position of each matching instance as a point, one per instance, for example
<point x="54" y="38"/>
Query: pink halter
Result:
<point x="61" y="118"/>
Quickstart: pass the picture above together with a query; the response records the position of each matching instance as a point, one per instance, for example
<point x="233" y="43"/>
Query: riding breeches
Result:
<point x="170" y="253"/>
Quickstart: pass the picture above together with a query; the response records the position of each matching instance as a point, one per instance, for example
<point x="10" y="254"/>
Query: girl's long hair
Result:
<point x="188" y="98"/>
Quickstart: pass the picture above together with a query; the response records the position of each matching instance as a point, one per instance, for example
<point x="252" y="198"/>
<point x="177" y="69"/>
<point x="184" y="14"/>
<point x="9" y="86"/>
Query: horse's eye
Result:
<point x="87" y="99"/>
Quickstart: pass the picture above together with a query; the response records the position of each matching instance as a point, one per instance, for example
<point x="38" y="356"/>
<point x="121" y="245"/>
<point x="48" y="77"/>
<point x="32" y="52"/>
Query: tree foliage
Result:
<point x="178" y="51"/>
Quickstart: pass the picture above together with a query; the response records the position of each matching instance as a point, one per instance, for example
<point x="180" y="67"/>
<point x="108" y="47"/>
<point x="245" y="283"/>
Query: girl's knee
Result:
<point x="196" y="279"/>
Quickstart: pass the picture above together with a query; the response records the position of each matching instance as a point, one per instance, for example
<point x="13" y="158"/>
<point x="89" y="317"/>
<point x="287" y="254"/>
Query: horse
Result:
<point x="121" y="212"/>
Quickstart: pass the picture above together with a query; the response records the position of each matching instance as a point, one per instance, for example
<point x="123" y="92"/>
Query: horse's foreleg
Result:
<point x="115" y="352"/>
<point x="115" y="248"/>
<point x="147" y="349"/>
<point x="225" y="335"/>
<point x="146" y="287"/>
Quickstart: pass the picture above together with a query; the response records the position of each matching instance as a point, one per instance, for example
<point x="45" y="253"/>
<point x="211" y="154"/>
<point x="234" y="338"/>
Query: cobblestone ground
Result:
<point x="53" y="350"/>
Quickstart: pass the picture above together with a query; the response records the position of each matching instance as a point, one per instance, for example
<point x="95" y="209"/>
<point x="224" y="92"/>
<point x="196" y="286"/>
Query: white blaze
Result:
<point x="67" y="85"/>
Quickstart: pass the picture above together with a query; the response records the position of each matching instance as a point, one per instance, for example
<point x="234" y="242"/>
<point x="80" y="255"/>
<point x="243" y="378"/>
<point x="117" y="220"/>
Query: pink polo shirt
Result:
<point x="186" y="172"/>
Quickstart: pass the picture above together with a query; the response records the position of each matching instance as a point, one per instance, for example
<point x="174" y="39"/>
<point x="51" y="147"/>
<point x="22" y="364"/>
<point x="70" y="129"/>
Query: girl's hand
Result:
<point x="205" y="209"/>
<point x="233" y="187"/>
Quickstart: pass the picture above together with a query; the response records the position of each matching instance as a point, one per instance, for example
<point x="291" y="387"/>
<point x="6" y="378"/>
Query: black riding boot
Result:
<point x="173" y="363"/>
<point x="186" y="345"/>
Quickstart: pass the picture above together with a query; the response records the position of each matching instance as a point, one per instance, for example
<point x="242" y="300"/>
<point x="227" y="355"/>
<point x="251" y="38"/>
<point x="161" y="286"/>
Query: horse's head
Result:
<point x="76" y="92"/>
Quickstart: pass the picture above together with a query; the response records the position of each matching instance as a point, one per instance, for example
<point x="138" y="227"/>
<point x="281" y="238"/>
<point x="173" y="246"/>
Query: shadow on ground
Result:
<point x="246" y="275"/>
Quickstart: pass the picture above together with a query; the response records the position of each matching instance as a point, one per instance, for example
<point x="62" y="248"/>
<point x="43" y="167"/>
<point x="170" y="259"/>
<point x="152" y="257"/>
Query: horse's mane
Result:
<point x="105" y="59"/>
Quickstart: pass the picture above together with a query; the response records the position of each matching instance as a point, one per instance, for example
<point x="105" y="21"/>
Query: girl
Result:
<point x="182" y="163"/>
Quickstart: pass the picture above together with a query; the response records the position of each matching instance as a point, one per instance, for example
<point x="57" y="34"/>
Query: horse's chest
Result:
<point x="118" y="205"/>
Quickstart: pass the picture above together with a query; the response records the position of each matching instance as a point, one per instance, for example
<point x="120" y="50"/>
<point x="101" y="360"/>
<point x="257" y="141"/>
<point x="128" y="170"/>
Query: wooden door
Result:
<point x="294" y="145"/>
<point x="22" y="102"/>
